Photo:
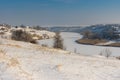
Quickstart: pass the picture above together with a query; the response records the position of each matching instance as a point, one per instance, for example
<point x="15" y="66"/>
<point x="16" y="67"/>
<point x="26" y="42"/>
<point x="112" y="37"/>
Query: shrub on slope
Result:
<point x="21" y="35"/>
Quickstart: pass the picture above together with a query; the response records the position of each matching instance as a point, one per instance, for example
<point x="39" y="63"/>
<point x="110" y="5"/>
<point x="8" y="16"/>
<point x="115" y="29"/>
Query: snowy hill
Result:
<point x="26" y="61"/>
<point x="95" y="28"/>
<point x="37" y="34"/>
<point x="105" y="31"/>
<point x="100" y="27"/>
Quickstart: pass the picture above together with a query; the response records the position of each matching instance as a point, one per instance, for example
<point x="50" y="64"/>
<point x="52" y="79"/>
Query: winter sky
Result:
<point x="59" y="12"/>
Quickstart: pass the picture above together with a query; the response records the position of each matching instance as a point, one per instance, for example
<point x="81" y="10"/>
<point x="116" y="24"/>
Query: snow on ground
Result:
<point x="107" y="43"/>
<point x="47" y="42"/>
<point x="69" y="39"/>
<point x="26" y="61"/>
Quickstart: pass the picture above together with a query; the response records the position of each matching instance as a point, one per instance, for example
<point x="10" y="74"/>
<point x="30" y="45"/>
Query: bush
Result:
<point x="106" y="52"/>
<point x="21" y="35"/>
<point x="2" y="33"/>
<point x="58" y="43"/>
<point x="44" y="45"/>
<point x="118" y="57"/>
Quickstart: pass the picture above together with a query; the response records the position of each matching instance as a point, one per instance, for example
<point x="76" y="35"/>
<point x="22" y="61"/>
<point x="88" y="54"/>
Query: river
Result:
<point x="69" y="39"/>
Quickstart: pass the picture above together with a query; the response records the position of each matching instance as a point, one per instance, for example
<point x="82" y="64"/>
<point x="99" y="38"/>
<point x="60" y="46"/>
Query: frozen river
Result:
<point x="69" y="39"/>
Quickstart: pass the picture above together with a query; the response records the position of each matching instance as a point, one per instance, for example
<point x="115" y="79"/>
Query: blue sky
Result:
<point x="59" y="12"/>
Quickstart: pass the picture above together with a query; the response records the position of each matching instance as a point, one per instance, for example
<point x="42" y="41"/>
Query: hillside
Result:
<point x="34" y="34"/>
<point x="103" y="31"/>
<point x="26" y="61"/>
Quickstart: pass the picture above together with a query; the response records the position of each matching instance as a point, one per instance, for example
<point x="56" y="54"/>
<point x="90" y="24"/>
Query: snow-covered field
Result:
<point x="71" y="45"/>
<point x="26" y="61"/>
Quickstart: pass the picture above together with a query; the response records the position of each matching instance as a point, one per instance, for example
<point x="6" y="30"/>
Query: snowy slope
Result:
<point x="42" y="34"/>
<point x="25" y="61"/>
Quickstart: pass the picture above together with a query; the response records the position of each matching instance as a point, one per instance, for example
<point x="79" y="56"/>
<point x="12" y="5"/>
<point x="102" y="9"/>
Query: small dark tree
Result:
<point x="16" y="26"/>
<point x="58" y="42"/>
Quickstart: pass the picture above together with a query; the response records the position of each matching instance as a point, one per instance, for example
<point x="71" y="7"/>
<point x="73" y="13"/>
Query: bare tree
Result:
<point x="106" y="52"/>
<point x="58" y="42"/>
<point x="87" y="34"/>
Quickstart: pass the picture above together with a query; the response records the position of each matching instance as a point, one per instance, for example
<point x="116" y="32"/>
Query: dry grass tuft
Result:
<point x="59" y="67"/>
<point x="18" y="46"/>
<point x="2" y="54"/>
<point x="114" y="45"/>
<point x="13" y="62"/>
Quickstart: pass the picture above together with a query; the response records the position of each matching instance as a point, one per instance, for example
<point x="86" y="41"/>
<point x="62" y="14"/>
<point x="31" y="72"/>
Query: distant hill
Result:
<point x="65" y="29"/>
<point x="105" y="31"/>
<point x="95" y="28"/>
<point x="103" y="27"/>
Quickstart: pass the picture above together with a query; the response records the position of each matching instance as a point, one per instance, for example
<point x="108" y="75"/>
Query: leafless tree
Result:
<point x="106" y="52"/>
<point x="58" y="42"/>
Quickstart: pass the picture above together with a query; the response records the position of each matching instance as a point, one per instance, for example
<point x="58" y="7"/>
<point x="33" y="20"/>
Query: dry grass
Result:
<point x="114" y="45"/>
<point x="18" y="46"/>
<point x="59" y="67"/>
<point x="46" y="49"/>
<point x="13" y="62"/>
<point x="2" y="54"/>
<point x="10" y="60"/>
<point x="91" y="41"/>
<point x="96" y="41"/>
